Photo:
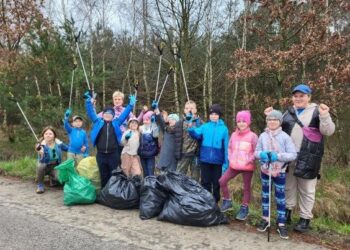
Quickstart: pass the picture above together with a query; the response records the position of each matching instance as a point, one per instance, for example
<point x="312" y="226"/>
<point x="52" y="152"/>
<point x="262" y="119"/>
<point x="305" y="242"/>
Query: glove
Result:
<point x="87" y="95"/>
<point x="38" y="147"/>
<point x="154" y="104"/>
<point x="153" y="118"/>
<point x="128" y="135"/>
<point x="132" y="100"/>
<point x="264" y="158"/>
<point x="224" y="167"/>
<point x="188" y="117"/>
<point x="273" y="156"/>
<point x="67" y="113"/>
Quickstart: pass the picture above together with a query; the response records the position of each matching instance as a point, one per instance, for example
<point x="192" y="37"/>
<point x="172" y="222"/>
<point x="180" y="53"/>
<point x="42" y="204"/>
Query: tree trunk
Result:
<point x="144" y="68"/>
<point x="39" y="94"/>
<point x="176" y="94"/>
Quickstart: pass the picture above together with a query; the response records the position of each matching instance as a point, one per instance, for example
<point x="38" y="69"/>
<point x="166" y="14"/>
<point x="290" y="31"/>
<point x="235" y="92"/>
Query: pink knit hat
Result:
<point x="244" y="115"/>
<point x="147" y="115"/>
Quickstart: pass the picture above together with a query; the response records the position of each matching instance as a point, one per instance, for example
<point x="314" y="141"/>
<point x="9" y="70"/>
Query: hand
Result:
<point x="68" y="113"/>
<point x="132" y="100"/>
<point x="154" y="104"/>
<point x="264" y="156"/>
<point x="87" y="95"/>
<point x="128" y="135"/>
<point x="273" y="156"/>
<point x="144" y="109"/>
<point x="323" y="109"/>
<point x="38" y="147"/>
<point x="153" y="118"/>
<point x="268" y="110"/>
<point x="83" y="149"/>
<point x="224" y="167"/>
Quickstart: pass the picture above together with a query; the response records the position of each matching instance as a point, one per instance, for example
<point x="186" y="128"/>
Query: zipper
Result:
<point x="107" y="137"/>
<point x="212" y="142"/>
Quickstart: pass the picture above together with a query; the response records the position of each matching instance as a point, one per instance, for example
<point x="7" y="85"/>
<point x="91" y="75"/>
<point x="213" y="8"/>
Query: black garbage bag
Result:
<point x="121" y="192"/>
<point x="188" y="202"/>
<point x="152" y="198"/>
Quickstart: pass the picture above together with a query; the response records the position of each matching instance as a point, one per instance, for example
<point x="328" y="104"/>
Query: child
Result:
<point x="166" y="123"/>
<point x="148" y="148"/>
<point x="186" y="146"/>
<point x="213" y="150"/>
<point x="131" y="165"/>
<point x="49" y="150"/>
<point x="241" y="149"/>
<point x="106" y="136"/>
<point x="275" y="149"/>
<point x="78" y="142"/>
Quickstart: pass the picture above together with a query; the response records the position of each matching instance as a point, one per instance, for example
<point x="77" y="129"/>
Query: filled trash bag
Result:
<point x="152" y="198"/>
<point x="121" y="192"/>
<point x="77" y="189"/>
<point x="188" y="202"/>
<point x="88" y="168"/>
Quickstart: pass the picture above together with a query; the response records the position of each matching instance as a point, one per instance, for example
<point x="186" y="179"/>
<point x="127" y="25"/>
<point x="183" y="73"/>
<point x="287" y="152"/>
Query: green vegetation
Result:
<point x="24" y="168"/>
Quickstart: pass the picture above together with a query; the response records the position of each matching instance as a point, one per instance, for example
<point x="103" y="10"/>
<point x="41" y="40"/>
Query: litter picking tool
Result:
<point x="165" y="81"/>
<point x="136" y="87"/>
<point x="81" y="60"/>
<point x="269" y="221"/>
<point x="183" y="74"/>
<point x="160" y="48"/>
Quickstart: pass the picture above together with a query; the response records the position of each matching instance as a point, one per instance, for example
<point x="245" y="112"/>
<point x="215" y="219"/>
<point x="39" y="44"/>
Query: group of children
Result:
<point x="183" y="144"/>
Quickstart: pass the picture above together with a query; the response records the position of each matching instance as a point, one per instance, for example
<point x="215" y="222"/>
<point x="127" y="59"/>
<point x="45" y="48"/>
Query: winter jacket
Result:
<point x="148" y="141"/>
<point x="98" y="122"/>
<point x="131" y="145"/>
<point x="214" y="136"/>
<point x="185" y="145"/>
<point x="59" y="147"/>
<point x="167" y="158"/>
<point x="276" y="141"/>
<point x="310" y="155"/>
<point x="106" y="141"/>
<point x="241" y="149"/>
<point x="77" y="139"/>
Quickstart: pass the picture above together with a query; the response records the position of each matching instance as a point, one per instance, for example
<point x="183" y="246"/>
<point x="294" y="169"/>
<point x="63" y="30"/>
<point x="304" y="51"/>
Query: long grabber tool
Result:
<point x="270" y="172"/>
<point x="183" y="75"/>
<point x="165" y="81"/>
<point x="136" y="87"/>
<point x="160" y="48"/>
<point x="72" y="82"/>
<point x="12" y="98"/>
<point x="81" y="60"/>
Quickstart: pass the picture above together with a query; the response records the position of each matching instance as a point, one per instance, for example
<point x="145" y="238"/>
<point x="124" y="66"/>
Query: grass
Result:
<point x="24" y="168"/>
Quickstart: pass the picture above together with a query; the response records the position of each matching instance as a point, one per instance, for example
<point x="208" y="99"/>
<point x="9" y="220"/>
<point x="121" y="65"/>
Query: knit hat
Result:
<point x="77" y="117"/>
<point x="215" y="108"/>
<point x="133" y="120"/>
<point x="245" y="116"/>
<point x="173" y="117"/>
<point x="147" y="115"/>
<point x="109" y="110"/>
<point x="275" y="114"/>
<point x="303" y="88"/>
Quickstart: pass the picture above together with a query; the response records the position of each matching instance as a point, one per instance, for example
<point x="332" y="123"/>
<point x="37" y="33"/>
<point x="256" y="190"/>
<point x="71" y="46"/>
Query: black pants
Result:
<point x="210" y="175"/>
<point x="106" y="164"/>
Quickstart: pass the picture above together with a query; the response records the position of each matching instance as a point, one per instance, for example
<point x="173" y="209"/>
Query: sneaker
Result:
<point x="226" y="205"/>
<point x="282" y="230"/>
<point x="263" y="226"/>
<point x="40" y="188"/>
<point x="243" y="213"/>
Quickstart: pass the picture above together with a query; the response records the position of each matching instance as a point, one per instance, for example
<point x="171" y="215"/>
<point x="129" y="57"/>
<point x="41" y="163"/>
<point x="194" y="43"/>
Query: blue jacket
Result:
<point x="98" y="122"/>
<point x="214" y="142"/>
<point x="59" y="147"/>
<point x="77" y="139"/>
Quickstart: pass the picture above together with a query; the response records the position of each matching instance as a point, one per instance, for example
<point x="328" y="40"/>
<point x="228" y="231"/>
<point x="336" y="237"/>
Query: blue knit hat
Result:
<point x="109" y="110"/>
<point x="303" y="88"/>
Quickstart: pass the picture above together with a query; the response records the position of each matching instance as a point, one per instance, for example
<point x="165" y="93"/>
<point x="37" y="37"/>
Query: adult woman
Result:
<point x="306" y="123"/>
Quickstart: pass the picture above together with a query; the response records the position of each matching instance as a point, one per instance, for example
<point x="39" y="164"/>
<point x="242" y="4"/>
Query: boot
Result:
<point x="288" y="216"/>
<point x="302" y="226"/>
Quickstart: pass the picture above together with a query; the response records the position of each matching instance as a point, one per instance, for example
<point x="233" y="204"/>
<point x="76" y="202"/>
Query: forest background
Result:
<point x="241" y="54"/>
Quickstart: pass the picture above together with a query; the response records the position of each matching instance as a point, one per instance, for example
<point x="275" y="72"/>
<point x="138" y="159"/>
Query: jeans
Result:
<point x="106" y="164"/>
<point x="148" y="166"/>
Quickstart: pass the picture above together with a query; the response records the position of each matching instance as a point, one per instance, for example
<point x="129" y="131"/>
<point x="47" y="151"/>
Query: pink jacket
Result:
<point x="241" y="149"/>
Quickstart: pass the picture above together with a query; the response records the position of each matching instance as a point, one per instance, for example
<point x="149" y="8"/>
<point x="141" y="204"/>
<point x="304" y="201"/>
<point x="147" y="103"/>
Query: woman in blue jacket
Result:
<point x="213" y="149"/>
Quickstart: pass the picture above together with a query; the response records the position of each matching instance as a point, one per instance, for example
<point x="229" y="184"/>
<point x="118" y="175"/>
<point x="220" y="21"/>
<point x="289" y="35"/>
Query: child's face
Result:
<point x="118" y="101"/>
<point x="77" y="123"/>
<point x="273" y="124"/>
<point x="107" y="117"/>
<point x="190" y="107"/>
<point x="172" y="122"/>
<point x="49" y="135"/>
<point x="242" y="125"/>
<point x="133" y="125"/>
<point x="214" y="117"/>
<point x="146" y="121"/>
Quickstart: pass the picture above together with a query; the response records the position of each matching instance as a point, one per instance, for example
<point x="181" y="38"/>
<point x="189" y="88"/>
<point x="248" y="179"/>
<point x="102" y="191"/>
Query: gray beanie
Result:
<point x="275" y="114"/>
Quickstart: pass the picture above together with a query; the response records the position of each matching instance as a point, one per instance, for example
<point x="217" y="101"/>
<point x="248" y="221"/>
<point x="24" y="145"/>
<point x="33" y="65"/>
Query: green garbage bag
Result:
<point x="88" y="168"/>
<point x="77" y="189"/>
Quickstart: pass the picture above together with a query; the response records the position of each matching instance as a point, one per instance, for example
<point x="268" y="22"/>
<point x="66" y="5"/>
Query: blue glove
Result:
<point x="87" y="95"/>
<point x="154" y="104"/>
<point x="153" y="118"/>
<point x="132" y="100"/>
<point x="224" y="167"/>
<point x="188" y="117"/>
<point x="273" y="156"/>
<point x="128" y="135"/>
<point x="67" y="113"/>
<point x="264" y="157"/>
